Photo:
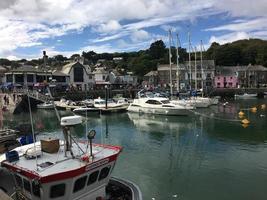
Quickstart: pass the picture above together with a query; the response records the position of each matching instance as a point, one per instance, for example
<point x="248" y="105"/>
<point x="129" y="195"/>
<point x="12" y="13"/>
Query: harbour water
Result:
<point x="208" y="155"/>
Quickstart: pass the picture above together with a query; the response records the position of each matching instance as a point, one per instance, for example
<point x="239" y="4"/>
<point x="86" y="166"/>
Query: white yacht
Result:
<point x="157" y="105"/>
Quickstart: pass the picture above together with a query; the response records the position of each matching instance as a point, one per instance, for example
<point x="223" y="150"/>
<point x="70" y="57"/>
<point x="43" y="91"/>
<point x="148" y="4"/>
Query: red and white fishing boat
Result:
<point x="66" y="169"/>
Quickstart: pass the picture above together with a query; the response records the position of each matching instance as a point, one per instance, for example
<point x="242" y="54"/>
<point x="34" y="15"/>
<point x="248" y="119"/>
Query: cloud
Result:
<point x="139" y="35"/>
<point x="242" y="25"/>
<point x="229" y="37"/>
<point x="110" y="26"/>
<point x="26" y="23"/>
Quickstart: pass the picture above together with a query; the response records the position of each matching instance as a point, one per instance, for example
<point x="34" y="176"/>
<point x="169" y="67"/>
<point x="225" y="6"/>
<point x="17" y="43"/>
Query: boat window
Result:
<point x="18" y="180"/>
<point x="153" y="102"/>
<point x="79" y="184"/>
<point x="27" y="185"/>
<point x="57" y="190"/>
<point x="104" y="173"/>
<point x="36" y="188"/>
<point x="92" y="178"/>
<point x="165" y="101"/>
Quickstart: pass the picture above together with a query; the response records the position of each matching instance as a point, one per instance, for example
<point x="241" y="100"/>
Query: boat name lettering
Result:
<point x="97" y="164"/>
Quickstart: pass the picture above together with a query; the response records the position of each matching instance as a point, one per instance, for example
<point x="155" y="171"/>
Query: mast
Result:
<point x="195" y="68"/>
<point x="170" y="62"/>
<point x="177" y="63"/>
<point x="189" y="59"/>
<point x="201" y="65"/>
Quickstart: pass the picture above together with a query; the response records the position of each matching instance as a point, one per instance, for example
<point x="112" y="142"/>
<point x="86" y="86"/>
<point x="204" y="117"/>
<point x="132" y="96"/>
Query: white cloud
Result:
<point x="242" y="25"/>
<point x="108" y="27"/>
<point x="139" y="35"/>
<point x="25" y="23"/>
<point x="229" y="37"/>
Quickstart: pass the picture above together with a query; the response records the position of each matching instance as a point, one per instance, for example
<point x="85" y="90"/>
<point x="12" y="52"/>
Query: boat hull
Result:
<point x="157" y="111"/>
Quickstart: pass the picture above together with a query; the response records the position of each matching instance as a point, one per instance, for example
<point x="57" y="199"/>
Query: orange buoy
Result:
<point x="241" y="113"/>
<point x="245" y="125"/>
<point x="254" y="109"/>
<point x="245" y="121"/>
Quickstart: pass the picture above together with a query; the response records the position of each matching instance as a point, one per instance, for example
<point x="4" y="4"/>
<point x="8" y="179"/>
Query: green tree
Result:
<point x="157" y="49"/>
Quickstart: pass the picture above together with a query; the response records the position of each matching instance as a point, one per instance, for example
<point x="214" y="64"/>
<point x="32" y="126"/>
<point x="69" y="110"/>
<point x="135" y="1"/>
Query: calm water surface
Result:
<point x="208" y="156"/>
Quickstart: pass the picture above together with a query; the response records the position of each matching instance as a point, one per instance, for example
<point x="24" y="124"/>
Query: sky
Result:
<point x="66" y="27"/>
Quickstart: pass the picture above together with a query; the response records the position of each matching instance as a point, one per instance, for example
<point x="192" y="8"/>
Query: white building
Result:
<point x="80" y="75"/>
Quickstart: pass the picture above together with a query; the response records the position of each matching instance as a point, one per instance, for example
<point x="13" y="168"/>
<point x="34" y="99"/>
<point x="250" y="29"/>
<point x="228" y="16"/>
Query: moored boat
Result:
<point x="45" y="105"/>
<point x="246" y="96"/>
<point x="66" y="169"/>
<point x="157" y="105"/>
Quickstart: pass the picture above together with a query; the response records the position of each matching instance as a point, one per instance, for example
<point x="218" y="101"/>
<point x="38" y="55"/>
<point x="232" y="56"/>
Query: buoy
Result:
<point x="245" y="125"/>
<point x="241" y="113"/>
<point x="263" y="106"/>
<point x="254" y="109"/>
<point x="245" y="121"/>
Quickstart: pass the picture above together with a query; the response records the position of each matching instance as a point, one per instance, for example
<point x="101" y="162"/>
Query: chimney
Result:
<point x="45" y="57"/>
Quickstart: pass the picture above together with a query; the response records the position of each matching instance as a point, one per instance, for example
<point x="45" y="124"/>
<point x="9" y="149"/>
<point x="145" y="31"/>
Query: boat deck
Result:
<point x="49" y="164"/>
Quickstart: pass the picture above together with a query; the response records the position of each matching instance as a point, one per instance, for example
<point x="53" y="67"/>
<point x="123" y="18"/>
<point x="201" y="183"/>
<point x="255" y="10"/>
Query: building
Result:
<point x="3" y="70"/>
<point x="226" y="77"/>
<point x="206" y="74"/>
<point x="151" y="78"/>
<point x="101" y="76"/>
<point x="80" y="76"/>
<point x="250" y="76"/>
<point x="27" y="75"/>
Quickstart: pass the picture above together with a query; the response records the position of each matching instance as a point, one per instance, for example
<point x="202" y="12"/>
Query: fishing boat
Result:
<point x="156" y="105"/>
<point x="45" y="105"/>
<point x="246" y="96"/>
<point x="66" y="169"/>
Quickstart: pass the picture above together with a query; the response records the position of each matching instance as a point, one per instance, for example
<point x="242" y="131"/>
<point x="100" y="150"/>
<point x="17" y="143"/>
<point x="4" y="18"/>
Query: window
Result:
<point x="199" y="75"/>
<point x="57" y="190"/>
<point x="27" y="185"/>
<point x="9" y="78"/>
<point x="153" y="102"/>
<point x="29" y="78"/>
<point x="19" y="78"/>
<point x="92" y="178"/>
<point x="104" y="173"/>
<point x="103" y="78"/>
<point x="36" y="189"/>
<point x="79" y="184"/>
<point x="78" y="74"/>
<point x="18" y="180"/>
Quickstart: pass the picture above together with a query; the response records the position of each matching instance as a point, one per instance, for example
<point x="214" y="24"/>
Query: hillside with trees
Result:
<point x="242" y="52"/>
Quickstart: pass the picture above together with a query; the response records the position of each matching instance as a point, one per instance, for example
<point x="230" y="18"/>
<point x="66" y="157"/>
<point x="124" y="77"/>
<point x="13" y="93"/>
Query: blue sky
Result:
<point x="71" y="26"/>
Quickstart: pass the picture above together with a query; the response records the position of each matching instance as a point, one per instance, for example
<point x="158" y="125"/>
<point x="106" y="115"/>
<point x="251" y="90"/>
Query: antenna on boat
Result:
<point x="91" y="135"/>
<point x="170" y="62"/>
<point x="189" y="61"/>
<point x="177" y="62"/>
<point x="195" y="68"/>
<point x="66" y="123"/>
<point x="201" y="64"/>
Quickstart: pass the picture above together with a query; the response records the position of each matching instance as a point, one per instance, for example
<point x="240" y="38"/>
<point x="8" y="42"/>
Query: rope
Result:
<point x="213" y="117"/>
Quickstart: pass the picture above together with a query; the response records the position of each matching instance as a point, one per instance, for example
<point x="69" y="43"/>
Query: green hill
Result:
<point x="241" y="52"/>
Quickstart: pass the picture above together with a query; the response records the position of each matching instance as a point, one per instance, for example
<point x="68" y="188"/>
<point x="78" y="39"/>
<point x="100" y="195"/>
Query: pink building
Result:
<point x="222" y="81"/>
